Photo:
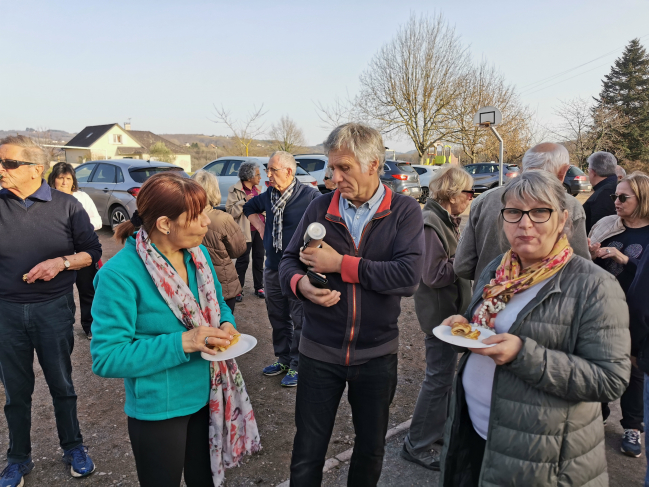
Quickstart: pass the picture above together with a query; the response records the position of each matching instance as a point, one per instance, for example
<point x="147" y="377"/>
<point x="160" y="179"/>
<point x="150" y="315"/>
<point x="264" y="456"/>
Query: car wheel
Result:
<point x="567" y="188"/>
<point x="118" y="215"/>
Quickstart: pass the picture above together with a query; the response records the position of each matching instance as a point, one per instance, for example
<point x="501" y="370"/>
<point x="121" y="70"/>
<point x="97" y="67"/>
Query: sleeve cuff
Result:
<point x="349" y="269"/>
<point x="294" y="280"/>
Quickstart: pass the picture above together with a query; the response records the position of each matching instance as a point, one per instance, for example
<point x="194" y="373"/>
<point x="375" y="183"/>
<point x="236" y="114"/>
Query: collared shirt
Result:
<point x="43" y="193"/>
<point x="357" y="218"/>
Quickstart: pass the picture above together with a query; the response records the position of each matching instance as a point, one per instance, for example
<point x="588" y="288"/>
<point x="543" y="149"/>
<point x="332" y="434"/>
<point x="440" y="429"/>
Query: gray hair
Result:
<point x="247" y="171"/>
<point x="620" y="172"/>
<point x="32" y="151"/>
<point x="541" y="186"/>
<point x="210" y="184"/>
<point x="546" y="156"/>
<point x="602" y="163"/>
<point x="364" y="142"/>
<point x="286" y="159"/>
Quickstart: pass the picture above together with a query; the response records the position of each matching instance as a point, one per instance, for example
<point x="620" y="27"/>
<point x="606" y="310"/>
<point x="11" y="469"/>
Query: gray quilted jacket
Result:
<point x="546" y="425"/>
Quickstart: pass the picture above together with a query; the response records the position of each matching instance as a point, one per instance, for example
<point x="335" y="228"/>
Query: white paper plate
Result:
<point x="444" y="334"/>
<point x="244" y="345"/>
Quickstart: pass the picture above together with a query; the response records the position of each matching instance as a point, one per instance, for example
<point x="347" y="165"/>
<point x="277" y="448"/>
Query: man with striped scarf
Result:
<point x="284" y="203"/>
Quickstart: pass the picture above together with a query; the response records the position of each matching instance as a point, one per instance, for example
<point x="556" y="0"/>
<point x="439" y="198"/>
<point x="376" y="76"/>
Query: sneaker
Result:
<point x="631" y="443"/>
<point x="275" y="369"/>
<point x="430" y="462"/>
<point x="81" y="464"/>
<point x="239" y="298"/>
<point x="89" y="335"/>
<point x="12" y="475"/>
<point x="290" y="379"/>
<point x="260" y="294"/>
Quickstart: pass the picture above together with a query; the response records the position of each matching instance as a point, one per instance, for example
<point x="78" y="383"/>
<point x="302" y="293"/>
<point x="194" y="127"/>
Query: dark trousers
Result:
<point x="231" y="303"/>
<point x="257" y="247"/>
<point x="476" y="446"/>
<point x="631" y="402"/>
<point x="321" y="385"/>
<point x="46" y="327"/>
<point x="86" y="291"/>
<point x="431" y="409"/>
<point x="163" y="449"/>
<point x="285" y="315"/>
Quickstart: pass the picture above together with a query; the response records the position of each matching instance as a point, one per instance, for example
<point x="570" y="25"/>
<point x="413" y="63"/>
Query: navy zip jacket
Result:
<point x="600" y="204"/>
<point x="636" y="298"/>
<point x="374" y="276"/>
<point x="295" y="208"/>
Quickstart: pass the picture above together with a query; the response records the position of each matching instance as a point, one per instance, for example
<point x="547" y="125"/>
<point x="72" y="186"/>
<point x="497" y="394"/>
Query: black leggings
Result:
<point x="162" y="449"/>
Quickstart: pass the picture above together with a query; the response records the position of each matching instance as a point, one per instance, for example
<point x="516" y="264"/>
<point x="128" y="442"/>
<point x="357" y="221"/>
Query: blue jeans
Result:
<point x="646" y="422"/>
<point x="47" y="328"/>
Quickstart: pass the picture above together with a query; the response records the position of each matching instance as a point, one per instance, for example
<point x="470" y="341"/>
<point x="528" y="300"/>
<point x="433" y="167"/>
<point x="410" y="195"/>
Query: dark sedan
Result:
<point x="577" y="181"/>
<point x="486" y="175"/>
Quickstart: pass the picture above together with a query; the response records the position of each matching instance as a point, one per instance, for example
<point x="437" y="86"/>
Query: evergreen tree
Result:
<point x="626" y="90"/>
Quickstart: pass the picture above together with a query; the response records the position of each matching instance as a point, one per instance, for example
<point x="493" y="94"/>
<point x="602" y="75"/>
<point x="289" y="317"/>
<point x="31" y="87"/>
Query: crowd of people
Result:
<point x="560" y="286"/>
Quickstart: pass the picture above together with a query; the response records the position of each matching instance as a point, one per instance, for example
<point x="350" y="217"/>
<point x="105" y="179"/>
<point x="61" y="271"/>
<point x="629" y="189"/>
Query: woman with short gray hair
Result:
<point x="440" y="293"/>
<point x="244" y="190"/>
<point x="224" y="239"/>
<point x="524" y="410"/>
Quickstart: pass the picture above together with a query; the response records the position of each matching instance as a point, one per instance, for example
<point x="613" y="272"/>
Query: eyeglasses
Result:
<point x="271" y="170"/>
<point x="470" y="192"/>
<point x="536" y="215"/>
<point x="13" y="164"/>
<point x="622" y="197"/>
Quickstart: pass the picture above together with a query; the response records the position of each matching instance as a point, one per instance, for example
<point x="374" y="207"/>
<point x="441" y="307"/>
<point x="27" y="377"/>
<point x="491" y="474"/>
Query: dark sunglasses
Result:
<point x="14" y="164"/>
<point x="622" y="197"/>
<point x="469" y="192"/>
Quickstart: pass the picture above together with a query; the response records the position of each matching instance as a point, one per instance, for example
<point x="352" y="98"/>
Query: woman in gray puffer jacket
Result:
<point x="526" y="411"/>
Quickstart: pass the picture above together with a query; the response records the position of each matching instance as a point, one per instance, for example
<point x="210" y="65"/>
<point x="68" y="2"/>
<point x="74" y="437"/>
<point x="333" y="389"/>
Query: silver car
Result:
<point x="226" y="169"/>
<point x="114" y="184"/>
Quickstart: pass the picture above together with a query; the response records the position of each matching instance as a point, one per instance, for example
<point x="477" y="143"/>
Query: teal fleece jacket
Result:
<point x="137" y="337"/>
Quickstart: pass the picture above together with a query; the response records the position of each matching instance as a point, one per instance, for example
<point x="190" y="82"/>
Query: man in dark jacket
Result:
<point x="371" y="257"/>
<point x="46" y="236"/>
<point x="601" y="172"/>
<point x="284" y="203"/>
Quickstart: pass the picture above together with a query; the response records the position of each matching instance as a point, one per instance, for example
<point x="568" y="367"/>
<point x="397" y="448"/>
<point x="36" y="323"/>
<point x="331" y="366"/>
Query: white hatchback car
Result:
<point x="226" y="169"/>
<point x="315" y="165"/>
<point x="425" y="174"/>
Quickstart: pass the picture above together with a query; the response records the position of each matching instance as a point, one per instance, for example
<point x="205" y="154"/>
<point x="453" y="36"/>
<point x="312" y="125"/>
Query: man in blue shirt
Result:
<point x="46" y="237"/>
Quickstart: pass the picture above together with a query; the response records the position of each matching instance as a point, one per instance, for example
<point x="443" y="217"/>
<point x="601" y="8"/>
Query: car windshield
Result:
<point x="574" y="171"/>
<point x="407" y="168"/>
<point x="141" y="174"/>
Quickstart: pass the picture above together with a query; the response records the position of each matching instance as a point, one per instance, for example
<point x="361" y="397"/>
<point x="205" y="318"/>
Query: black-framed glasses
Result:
<point x="14" y="164"/>
<point x="536" y="215"/>
<point x="622" y="197"/>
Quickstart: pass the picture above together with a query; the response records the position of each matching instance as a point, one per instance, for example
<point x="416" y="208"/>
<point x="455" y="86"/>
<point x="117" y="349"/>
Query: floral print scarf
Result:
<point x="511" y="279"/>
<point x="233" y="429"/>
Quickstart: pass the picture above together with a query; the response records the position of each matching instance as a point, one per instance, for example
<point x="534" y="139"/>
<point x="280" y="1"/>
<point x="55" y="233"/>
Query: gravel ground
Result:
<point x="103" y="422"/>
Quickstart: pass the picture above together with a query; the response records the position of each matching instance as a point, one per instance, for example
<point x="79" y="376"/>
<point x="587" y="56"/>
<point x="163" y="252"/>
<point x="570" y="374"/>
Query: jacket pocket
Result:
<point x="136" y="389"/>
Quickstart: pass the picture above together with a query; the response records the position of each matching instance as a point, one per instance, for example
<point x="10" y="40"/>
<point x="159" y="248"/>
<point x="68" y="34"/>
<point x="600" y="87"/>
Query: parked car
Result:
<point x="577" y="181"/>
<point x="226" y="169"/>
<point x="486" y="175"/>
<point x="315" y="165"/>
<point x="425" y="175"/>
<point x="401" y="178"/>
<point x="114" y="184"/>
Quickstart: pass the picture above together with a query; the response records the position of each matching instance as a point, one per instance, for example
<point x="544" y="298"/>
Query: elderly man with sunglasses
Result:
<point x="46" y="237"/>
<point x="482" y="240"/>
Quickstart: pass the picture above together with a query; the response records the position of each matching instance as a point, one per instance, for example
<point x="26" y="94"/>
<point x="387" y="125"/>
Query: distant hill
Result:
<point x="55" y="136"/>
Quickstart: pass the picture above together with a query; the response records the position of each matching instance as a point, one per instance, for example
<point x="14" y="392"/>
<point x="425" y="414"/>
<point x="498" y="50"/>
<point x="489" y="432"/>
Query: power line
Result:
<point x="559" y="82"/>
<point x="532" y="86"/>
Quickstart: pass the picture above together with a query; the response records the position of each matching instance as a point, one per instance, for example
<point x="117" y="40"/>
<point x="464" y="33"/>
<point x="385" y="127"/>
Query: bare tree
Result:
<point x="607" y="130"/>
<point x="336" y="113"/>
<point x="243" y="131"/>
<point x="287" y="136"/>
<point x="411" y="84"/>
<point x="575" y="128"/>
<point x="485" y="86"/>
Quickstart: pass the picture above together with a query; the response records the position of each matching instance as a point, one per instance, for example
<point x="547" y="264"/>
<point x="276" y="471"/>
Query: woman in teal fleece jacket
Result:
<point x="136" y="336"/>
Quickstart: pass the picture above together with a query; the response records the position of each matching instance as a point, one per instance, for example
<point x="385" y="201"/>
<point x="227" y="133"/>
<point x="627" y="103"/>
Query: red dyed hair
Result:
<point x="165" y="194"/>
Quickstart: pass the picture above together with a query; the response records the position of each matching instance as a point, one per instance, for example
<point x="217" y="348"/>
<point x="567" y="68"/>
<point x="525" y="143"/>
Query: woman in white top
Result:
<point x="524" y="411"/>
<point x="63" y="178"/>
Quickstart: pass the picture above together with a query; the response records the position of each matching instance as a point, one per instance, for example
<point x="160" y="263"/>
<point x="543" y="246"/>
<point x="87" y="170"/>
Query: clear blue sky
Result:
<point x="163" y="64"/>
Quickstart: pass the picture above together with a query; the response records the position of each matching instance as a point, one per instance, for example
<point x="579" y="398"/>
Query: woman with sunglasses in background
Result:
<point x="617" y="243"/>
<point x="63" y="178"/>
<point x="441" y="293"/>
